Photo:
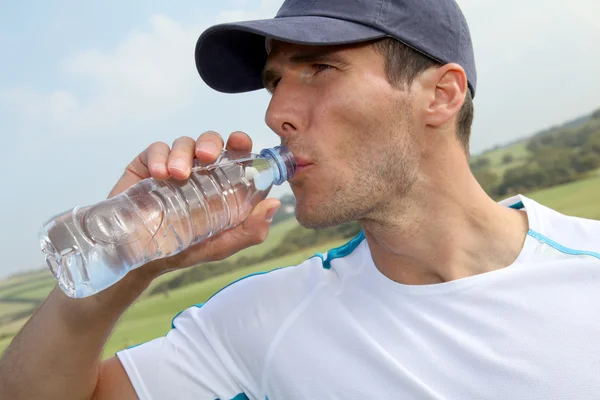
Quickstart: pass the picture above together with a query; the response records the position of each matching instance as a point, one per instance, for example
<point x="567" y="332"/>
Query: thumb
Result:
<point x="257" y="225"/>
<point x="272" y="209"/>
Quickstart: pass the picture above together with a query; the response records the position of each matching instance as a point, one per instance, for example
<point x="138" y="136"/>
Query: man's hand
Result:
<point x="161" y="162"/>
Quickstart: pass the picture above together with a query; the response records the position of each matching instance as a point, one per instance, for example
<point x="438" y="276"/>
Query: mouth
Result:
<point x="302" y="164"/>
<point x="302" y="167"/>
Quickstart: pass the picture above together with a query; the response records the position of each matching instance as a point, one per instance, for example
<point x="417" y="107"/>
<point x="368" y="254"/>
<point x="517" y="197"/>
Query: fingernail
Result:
<point x="161" y="169"/>
<point x="180" y="165"/>
<point x="209" y="148"/>
<point x="271" y="213"/>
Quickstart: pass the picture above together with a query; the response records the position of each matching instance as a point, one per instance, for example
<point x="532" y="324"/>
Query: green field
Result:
<point x="151" y="316"/>
<point x="8" y="308"/>
<point x="518" y="151"/>
<point x="580" y="198"/>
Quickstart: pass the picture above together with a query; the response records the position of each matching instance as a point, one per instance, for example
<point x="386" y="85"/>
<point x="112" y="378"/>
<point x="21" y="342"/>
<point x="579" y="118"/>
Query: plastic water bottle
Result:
<point x="90" y="248"/>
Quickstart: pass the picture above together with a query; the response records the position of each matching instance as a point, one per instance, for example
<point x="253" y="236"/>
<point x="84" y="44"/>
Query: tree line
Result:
<point x="554" y="157"/>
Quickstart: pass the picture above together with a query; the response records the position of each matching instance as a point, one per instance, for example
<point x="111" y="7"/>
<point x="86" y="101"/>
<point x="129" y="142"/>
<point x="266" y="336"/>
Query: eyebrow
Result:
<point x="314" y="57"/>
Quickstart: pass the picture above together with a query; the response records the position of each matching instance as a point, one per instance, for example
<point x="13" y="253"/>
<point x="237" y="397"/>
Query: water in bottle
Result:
<point x="90" y="248"/>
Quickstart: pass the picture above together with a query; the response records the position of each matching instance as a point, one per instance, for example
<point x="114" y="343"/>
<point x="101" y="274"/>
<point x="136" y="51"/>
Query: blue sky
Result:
<point x="85" y="86"/>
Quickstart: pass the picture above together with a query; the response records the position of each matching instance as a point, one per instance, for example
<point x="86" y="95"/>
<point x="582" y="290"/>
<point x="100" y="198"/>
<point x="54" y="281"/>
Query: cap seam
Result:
<point x="379" y="12"/>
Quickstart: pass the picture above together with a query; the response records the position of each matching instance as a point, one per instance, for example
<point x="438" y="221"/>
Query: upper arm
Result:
<point x="113" y="382"/>
<point x="184" y="364"/>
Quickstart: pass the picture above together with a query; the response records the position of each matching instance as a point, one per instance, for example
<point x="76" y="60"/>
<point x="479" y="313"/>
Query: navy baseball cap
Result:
<point x="230" y="57"/>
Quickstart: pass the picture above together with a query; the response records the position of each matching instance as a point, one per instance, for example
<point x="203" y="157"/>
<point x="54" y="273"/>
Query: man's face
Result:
<point x="337" y="112"/>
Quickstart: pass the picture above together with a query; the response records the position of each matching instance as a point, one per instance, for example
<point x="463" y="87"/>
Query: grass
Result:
<point x="11" y="329"/>
<point x="578" y="198"/>
<point x="518" y="151"/>
<point x="35" y="289"/>
<point x="38" y="293"/>
<point x="4" y="343"/>
<point x="23" y="278"/>
<point x="11" y="308"/>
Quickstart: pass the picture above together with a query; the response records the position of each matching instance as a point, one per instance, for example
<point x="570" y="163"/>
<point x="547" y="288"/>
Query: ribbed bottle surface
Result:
<point x="90" y="248"/>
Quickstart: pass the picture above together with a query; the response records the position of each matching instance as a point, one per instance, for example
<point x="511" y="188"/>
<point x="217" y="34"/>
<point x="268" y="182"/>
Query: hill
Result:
<point x="554" y="156"/>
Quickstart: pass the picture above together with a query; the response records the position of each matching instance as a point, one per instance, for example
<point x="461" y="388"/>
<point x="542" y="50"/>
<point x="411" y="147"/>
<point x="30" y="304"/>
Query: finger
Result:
<point x="254" y="230"/>
<point x="239" y="141"/>
<point x="180" y="159"/>
<point x="208" y="147"/>
<point x="155" y="160"/>
<point x="139" y="169"/>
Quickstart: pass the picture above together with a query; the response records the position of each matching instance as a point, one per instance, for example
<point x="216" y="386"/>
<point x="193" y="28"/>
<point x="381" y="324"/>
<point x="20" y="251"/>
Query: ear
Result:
<point x="447" y="89"/>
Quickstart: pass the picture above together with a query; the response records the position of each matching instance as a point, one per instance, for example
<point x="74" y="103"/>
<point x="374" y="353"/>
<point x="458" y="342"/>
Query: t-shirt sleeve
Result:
<point x="181" y="365"/>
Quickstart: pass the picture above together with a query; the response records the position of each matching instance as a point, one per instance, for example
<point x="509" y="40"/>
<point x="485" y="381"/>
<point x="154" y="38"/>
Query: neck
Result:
<point x="440" y="232"/>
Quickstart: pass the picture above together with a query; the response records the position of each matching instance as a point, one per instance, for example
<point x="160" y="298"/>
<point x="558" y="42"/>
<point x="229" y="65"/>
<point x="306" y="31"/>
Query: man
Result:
<point x="445" y="294"/>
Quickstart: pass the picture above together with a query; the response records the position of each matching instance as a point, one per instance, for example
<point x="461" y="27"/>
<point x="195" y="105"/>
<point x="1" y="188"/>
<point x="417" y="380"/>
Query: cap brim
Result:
<point x="230" y="57"/>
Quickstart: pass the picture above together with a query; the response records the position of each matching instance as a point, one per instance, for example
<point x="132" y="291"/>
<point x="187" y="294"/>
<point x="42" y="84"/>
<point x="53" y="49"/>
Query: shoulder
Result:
<point x="261" y="302"/>
<point x="274" y="292"/>
<point x="242" y="320"/>
<point x="281" y="290"/>
<point x="564" y="232"/>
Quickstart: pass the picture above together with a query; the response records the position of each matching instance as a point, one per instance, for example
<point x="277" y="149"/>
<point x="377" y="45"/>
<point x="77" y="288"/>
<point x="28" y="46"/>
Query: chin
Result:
<point x="315" y="218"/>
<point x="309" y="217"/>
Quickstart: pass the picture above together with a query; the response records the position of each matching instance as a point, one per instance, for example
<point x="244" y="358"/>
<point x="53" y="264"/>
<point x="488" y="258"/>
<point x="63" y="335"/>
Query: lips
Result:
<point x="302" y="163"/>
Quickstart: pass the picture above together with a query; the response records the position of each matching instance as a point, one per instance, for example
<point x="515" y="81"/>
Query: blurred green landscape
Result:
<point x="559" y="167"/>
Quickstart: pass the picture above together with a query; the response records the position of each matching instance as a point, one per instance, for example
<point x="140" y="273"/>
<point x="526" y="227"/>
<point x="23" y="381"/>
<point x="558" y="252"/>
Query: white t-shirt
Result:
<point x="334" y="327"/>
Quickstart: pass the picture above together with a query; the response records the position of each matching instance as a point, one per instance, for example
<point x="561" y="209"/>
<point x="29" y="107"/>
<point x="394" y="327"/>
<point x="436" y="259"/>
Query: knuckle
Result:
<point x="134" y="165"/>
<point x="259" y="237"/>
<point x="212" y="250"/>
<point x="263" y="236"/>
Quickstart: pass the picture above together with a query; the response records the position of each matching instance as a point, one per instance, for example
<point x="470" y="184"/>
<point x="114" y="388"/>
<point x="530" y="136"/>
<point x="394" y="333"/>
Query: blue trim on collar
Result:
<point x="560" y="247"/>
<point x="344" y="250"/>
<point x="518" y="206"/>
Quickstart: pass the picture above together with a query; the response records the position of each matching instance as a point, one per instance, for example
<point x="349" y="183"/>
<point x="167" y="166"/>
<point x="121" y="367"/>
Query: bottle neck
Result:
<point x="284" y="163"/>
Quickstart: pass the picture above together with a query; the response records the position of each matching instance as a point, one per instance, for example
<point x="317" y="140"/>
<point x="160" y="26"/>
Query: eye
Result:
<point x="321" y="67"/>
<point x="271" y="87"/>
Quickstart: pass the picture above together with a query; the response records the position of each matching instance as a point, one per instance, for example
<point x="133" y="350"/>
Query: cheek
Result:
<point x="351" y="122"/>
<point x="339" y="113"/>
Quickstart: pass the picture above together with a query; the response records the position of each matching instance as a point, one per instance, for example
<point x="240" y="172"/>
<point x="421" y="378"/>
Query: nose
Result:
<point x="285" y="114"/>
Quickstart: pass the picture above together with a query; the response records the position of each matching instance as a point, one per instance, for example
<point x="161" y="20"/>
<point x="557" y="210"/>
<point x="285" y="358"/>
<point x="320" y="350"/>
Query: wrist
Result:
<point x="107" y="305"/>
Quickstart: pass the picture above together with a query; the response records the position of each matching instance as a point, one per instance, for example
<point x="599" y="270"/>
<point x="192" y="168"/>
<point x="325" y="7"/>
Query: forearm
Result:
<point x="57" y="353"/>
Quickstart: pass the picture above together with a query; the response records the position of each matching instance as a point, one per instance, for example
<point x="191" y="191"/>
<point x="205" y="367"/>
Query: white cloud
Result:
<point x="268" y="9"/>
<point x="143" y="77"/>
<point x="54" y="107"/>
